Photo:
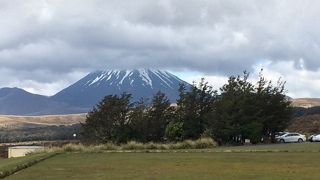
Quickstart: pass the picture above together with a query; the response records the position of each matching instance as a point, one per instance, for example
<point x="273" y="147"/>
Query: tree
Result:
<point x="158" y="116"/>
<point x="108" y="121"/>
<point x="274" y="105"/>
<point x="244" y="111"/>
<point x="138" y="121"/>
<point x="234" y="109"/>
<point x="193" y="107"/>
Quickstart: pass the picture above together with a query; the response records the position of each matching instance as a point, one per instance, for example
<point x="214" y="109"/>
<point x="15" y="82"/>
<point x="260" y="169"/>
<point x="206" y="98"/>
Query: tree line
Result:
<point x="239" y="110"/>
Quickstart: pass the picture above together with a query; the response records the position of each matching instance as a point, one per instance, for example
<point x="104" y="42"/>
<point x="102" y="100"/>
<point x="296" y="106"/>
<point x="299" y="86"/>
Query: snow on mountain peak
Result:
<point x="118" y="77"/>
<point x="143" y="73"/>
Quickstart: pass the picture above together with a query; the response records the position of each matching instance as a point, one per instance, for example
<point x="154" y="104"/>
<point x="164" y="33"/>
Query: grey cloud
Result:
<point x="45" y="40"/>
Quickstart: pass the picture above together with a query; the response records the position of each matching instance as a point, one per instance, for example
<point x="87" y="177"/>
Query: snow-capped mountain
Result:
<point x="141" y="83"/>
<point x="88" y="91"/>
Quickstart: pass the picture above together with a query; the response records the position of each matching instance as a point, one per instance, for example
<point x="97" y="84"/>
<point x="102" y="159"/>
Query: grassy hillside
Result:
<point x="306" y="102"/>
<point x="18" y="122"/>
<point x="39" y="128"/>
<point x="306" y="124"/>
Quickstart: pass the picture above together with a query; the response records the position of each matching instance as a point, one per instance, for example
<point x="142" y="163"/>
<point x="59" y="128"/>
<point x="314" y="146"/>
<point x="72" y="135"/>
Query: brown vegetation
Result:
<point x="309" y="124"/>
<point x="13" y="122"/>
<point x="306" y="102"/>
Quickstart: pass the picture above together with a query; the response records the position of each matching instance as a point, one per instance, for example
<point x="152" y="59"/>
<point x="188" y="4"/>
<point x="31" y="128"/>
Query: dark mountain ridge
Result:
<point x="15" y="101"/>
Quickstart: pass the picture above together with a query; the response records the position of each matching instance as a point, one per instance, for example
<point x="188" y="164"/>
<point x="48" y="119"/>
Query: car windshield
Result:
<point x="280" y="134"/>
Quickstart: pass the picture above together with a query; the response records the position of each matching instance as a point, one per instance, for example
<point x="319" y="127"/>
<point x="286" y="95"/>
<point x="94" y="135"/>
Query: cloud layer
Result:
<point x="50" y="43"/>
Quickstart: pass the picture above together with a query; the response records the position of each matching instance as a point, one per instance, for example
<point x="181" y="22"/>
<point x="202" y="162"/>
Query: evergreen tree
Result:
<point x="246" y="111"/>
<point x="275" y="108"/>
<point x="193" y="107"/>
<point x="108" y="121"/>
<point x="234" y="111"/>
<point x="158" y="116"/>
<point x="138" y="121"/>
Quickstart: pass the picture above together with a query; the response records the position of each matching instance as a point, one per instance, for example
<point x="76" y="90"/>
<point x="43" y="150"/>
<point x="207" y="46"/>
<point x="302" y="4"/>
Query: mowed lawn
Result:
<point x="209" y="165"/>
<point x="10" y="163"/>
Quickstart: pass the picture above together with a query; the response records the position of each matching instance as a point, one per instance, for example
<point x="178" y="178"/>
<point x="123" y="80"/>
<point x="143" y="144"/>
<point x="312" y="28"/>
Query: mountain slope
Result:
<point x="306" y="102"/>
<point x="15" y="101"/>
<point x="139" y="82"/>
<point x="305" y="124"/>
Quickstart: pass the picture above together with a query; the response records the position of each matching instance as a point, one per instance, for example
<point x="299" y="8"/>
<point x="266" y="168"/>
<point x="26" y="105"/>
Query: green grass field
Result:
<point x="289" y="161"/>
<point x="288" y="147"/>
<point x="12" y="165"/>
<point x="6" y="164"/>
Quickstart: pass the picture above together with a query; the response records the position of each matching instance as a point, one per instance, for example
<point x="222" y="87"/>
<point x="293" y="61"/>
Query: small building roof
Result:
<point x="26" y="147"/>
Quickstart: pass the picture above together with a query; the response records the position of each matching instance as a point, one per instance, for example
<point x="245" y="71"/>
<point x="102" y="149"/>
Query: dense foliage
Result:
<point x="241" y="110"/>
<point x="247" y="111"/>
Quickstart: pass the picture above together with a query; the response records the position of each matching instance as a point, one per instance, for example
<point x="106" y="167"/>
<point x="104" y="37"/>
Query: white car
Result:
<point x="291" y="137"/>
<point x="311" y="137"/>
<point x="316" y="138"/>
<point x="278" y="134"/>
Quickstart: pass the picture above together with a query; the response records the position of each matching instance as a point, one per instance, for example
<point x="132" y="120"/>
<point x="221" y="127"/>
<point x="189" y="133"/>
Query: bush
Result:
<point x="133" y="145"/>
<point x="152" y="145"/>
<point x="74" y="147"/>
<point x="108" y="146"/>
<point x="174" y="131"/>
<point x="203" y="143"/>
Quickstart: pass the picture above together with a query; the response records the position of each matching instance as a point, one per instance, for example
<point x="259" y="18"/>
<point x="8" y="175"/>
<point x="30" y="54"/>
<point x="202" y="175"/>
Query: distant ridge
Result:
<point x="306" y="102"/>
<point x="15" y="101"/>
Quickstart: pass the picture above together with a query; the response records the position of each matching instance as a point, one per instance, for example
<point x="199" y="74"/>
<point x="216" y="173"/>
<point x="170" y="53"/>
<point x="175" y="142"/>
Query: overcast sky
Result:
<point x="45" y="45"/>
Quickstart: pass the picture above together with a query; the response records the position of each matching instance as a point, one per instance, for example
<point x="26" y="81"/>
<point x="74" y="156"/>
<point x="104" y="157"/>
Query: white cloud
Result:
<point x="215" y="81"/>
<point x="299" y="82"/>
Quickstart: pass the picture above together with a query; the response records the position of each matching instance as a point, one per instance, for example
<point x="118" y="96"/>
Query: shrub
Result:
<point x="188" y="144"/>
<point x="174" y="131"/>
<point x="74" y="147"/>
<point x="204" y="143"/>
<point x="152" y="145"/>
<point x="109" y="146"/>
<point x="132" y="145"/>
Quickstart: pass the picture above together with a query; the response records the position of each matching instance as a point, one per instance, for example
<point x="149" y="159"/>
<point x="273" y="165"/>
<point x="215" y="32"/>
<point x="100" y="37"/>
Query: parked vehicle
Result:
<point x="310" y="138"/>
<point x="277" y="134"/>
<point x="316" y="138"/>
<point x="291" y="137"/>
